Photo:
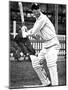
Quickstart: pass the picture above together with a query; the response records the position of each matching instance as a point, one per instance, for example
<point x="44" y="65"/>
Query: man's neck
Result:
<point x="38" y="16"/>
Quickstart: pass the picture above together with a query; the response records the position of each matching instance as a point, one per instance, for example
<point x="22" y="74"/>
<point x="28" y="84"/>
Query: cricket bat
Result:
<point x="22" y="19"/>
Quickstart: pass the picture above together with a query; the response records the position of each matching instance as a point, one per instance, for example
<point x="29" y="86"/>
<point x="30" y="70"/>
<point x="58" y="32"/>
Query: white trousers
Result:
<point x="50" y="55"/>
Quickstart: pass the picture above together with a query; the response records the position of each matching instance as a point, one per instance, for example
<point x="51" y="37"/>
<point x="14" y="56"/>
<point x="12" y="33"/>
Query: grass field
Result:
<point x="22" y="74"/>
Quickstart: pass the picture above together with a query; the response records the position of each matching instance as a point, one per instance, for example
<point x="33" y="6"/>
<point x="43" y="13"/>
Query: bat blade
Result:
<point x="21" y="11"/>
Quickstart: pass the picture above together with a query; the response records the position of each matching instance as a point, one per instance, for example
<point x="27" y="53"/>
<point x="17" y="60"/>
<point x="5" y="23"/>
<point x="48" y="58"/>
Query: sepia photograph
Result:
<point x="37" y="44"/>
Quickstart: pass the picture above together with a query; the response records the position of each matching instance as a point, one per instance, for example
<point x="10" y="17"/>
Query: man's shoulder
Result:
<point x="43" y="16"/>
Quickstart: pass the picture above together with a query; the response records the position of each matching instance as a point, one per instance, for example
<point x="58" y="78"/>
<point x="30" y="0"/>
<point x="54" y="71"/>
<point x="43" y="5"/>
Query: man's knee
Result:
<point x="35" y="61"/>
<point x="51" y="61"/>
<point x="51" y="64"/>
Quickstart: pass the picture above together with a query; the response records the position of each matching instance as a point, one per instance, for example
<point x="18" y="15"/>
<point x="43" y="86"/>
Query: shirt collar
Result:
<point x="39" y="16"/>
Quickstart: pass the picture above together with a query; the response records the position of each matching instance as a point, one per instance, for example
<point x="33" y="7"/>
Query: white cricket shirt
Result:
<point x="45" y="29"/>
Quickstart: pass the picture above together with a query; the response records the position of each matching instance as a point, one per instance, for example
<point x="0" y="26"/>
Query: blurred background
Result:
<point x="21" y="71"/>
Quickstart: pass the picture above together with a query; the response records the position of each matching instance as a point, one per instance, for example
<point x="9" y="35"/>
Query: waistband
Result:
<point x="51" y="46"/>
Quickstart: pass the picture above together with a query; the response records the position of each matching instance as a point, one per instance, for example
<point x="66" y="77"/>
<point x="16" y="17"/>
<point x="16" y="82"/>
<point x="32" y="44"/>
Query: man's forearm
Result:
<point x="29" y="33"/>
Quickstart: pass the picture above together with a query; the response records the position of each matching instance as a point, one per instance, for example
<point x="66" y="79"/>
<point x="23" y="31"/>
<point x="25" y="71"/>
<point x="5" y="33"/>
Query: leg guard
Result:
<point x="39" y="70"/>
<point x="54" y="75"/>
<point x="51" y="58"/>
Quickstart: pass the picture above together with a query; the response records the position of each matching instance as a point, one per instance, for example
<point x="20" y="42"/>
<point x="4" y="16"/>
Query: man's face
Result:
<point x="36" y="12"/>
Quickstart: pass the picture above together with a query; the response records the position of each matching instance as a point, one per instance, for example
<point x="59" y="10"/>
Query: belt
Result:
<point x="50" y="46"/>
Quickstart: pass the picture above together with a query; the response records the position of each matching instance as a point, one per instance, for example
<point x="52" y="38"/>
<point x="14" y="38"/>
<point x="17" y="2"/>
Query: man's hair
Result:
<point x="35" y="6"/>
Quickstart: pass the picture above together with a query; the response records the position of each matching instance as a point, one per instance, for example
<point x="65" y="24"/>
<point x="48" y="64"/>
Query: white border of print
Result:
<point x="4" y="43"/>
